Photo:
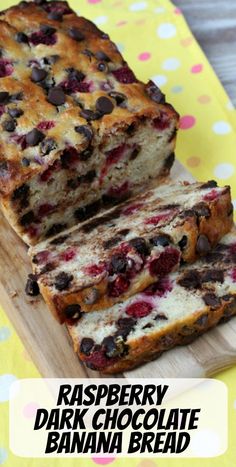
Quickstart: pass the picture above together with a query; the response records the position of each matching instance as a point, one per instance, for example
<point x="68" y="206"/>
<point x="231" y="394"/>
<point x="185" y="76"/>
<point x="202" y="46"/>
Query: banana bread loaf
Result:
<point x="174" y="311"/>
<point x="121" y="252"/>
<point x="79" y="131"/>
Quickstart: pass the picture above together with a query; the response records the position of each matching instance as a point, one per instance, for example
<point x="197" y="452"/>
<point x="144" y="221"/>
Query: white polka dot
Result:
<point x="3" y="455"/>
<point x="205" y="443"/>
<point x="221" y="127"/>
<point x="100" y="20"/>
<point x="159" y="9"/>
<point x="5" y="383"/>
<point x="138" y="6"/>
<point x="177" y="89"/>
<point x="159" y="80"/>
<point x="5" y="333"/>
<point x="166" y="30"/>
<point x="171" y="64"/>
<point x="234" y="205"/>
<point x="224" y="170"/>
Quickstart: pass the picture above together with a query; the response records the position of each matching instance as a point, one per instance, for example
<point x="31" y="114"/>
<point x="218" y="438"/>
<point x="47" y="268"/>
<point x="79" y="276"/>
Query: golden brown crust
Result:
<point x="214" y="227"/>
<point x="183" y="332"/>
<point x="27" y="18"/>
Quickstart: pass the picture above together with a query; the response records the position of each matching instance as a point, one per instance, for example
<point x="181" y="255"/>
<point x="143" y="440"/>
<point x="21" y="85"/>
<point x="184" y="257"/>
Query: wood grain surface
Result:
<point x="48" y="343"/>
<point x="213" y="22"/>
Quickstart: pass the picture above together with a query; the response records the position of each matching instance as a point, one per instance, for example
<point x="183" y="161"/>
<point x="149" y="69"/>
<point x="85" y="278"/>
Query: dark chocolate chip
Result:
<point x="25" y="162"/>
<point x="56" y="96"/>
<point x="111" y="242"/>
<point x="130" y="130"/>
<point x="47" y="145"/>
<point x="183" y="242"/>
<point x="104" y="105"/>
<point x="123" y="232"/>
<point x="34" y="137"/>
<point x="15" y="112"/>
<point x="50" y="59"/>
<point x="126" y="323"/>
<point x="114" y="346"/>
<point x="22" y="38"/>
<point x="21" y="193"/>
<point x="190" y="280"/>
<point x="169" y="161"/>
<point x="32" y="287"/>
<point x="90" y="115"/>
<point x="4" y="97"/>
<point x="211" y="300"/>
<point x="203" y="245"/>
<point x="88" y="211"/>
<point x="187" y="213"/>
<point x="140" y="245"/>
<point x="9" y="125"/>
<point x="18" y="96"/>
<point x="155" y="93"/>
<point x="160" y="317"/>
<point x="135" y="152"/>
<point x="102" y="67"/>
<point x="59" y="240"/>
<point x="63" y="280"/>
<point x="148" y="326"/>
<point x="86" y="154"/>
<point x="38" y="74"/>
<point x="55" y="16"/>
<point x="85" y="130"/>
<point x="202" y="210"/>
<point x="215" y="275"/>
<point x="76" y="34"/>
<point x="209" y="184"/>
<point x="27" y="218"/>
<point x="162" y="240"/>
<point x="73" y="311"/>
<point x="86" y="345"/>
<point x="47" y="29"/>
<point x="202" y="320"/>
<point x="55" y="229"/>
<point x="88" y="177"/>
<point x="72" y="183"/>
<point x="100" y="55"/>
<point x="118" y="96"/>
<point x="75" y="74"/>
<point x="118" y="263"/>
<point x="91" y="296"/>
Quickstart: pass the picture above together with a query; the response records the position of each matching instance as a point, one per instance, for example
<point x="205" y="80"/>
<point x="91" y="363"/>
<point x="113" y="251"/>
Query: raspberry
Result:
<point x="97" y="360"/>
<point x="47" y="174"/>
<point x="139" y="309"/>
<point x="124" y="75"/>
<point x="68" y="255"/>
<point x="32" y="231"/>
<point x="72" y="85"/>
<point x="118" y="286"/>
<point x="40" y="37"/>
<point x="233" y="275"/>
<point x="115" y="154"/>
<point x="165" y="263"/>
<point x="42" y="257"/>
<point x="45" y="209"/>
<point x="2" y="110"/>
<point x="118" y="191"/>
<point x="95" y="269"/>
<point x="155" y="220"/>
<point x="46" y="125"/>
<point x="6" y="68"/>
<point x="162" y="122"/>
<point x="211" y="196"/>
<point x="19" y="139"/>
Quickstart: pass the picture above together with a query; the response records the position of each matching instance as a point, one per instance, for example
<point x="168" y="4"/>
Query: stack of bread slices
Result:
<point x="132" y="264"/>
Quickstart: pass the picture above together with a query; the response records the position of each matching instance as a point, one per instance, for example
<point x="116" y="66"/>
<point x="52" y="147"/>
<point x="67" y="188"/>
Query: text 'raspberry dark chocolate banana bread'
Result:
<point x="79" y="132"/>
<point x="121" y="252"/>
<point x="173" y="311"/>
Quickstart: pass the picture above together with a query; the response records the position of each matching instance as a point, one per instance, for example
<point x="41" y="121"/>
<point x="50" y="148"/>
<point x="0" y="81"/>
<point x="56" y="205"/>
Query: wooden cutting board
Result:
<point x="49" y="345"/>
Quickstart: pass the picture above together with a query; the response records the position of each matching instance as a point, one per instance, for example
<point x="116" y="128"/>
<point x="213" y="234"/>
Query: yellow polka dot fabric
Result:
<point x="155" y="40"/>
